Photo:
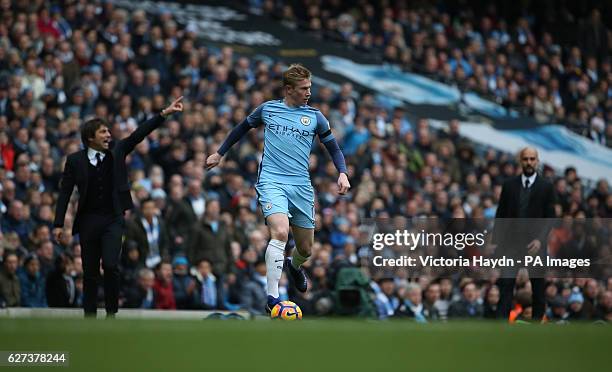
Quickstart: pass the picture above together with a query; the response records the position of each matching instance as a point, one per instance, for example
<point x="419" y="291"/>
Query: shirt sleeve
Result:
<point x="255" y="118"/>
<point x="323" y="128"/>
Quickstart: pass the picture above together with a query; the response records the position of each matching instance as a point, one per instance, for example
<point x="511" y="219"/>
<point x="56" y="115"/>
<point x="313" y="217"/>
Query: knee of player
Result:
<point x="280" y="233"/>
<point x="304" y="248"/>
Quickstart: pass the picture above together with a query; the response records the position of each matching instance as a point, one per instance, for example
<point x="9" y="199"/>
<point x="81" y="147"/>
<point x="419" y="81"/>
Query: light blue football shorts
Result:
<point x="296" y="201"/>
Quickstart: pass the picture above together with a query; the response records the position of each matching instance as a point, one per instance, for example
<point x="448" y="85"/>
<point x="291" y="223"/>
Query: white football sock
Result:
<point x="275" y="257"/>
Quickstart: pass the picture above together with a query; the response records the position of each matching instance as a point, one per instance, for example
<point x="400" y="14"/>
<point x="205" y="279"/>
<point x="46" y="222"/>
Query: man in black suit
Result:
<point x="100" y="174"/>
<point x="523" y="215"/>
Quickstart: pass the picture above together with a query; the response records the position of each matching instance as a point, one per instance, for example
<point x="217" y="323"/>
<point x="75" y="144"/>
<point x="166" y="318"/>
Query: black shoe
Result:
<point x="299" y="277"/>
<point x="272" y="301"/>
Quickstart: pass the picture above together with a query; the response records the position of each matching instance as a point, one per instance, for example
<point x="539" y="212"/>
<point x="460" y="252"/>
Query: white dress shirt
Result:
<point x="530" y="178"/>
<point x="91" y="155"/>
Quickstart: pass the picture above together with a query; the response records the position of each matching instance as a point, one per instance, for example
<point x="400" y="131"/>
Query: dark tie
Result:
<point x="98" y="160"/>
<point x="527" y="183"/>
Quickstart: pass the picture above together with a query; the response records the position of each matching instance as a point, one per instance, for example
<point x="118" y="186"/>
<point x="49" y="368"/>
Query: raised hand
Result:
<point x="213" y="160"/>
<point x="176" y="106"/>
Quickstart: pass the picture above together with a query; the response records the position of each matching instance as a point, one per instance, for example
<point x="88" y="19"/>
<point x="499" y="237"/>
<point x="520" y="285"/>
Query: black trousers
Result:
<point x="100" y="238"/>
<point x="506" y="293"/>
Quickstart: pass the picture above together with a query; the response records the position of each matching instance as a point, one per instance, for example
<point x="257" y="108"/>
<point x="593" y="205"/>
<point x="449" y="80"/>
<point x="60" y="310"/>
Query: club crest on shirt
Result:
<point x="305" y="120"/>
<point x="268" y="206"/>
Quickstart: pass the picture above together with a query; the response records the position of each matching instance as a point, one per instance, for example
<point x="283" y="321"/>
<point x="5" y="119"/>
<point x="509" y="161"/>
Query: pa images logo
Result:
<point x="305" y="120"/>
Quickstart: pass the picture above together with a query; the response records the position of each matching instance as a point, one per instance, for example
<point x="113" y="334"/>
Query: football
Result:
<point x="286" y="310"/>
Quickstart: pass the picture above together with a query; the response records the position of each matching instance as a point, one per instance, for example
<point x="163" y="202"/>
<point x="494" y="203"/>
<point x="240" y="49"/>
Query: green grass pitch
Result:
<point x="310" y="345"/>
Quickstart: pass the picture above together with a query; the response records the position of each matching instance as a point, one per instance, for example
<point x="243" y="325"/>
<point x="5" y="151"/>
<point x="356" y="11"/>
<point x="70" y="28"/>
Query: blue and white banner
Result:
<point x="558" y="147"/>
<point x="391" y="81"/>
<point x="411" y="88"/>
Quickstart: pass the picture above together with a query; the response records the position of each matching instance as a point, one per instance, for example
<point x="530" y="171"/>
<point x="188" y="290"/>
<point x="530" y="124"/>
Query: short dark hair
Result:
<point x="199" y="262"/>
<point x="7" y="254"/>
<point x="89" y="128"/>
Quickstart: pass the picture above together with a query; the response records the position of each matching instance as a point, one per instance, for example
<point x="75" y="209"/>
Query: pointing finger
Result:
<point x="178" y="100"/>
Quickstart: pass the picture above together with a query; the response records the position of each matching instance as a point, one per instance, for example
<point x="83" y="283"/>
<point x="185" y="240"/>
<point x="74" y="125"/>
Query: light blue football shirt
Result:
<point x="288" y="137"/>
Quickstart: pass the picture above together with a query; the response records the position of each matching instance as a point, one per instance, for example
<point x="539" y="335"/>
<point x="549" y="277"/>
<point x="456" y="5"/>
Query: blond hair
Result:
<point x="294" y="74"/>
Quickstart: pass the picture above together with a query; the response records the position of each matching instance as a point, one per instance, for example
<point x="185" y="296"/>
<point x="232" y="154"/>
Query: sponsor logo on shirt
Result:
<point x="288" y="131"/>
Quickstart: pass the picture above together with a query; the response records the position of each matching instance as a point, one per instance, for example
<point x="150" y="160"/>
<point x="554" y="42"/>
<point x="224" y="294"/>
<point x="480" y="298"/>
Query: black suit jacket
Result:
<point x="75" y="173"/>
<point x="512" y="231"/>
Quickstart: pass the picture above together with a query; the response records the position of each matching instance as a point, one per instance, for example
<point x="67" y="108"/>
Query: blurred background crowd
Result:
<point x="549" y="60"/>
<point x="197" y="239"/>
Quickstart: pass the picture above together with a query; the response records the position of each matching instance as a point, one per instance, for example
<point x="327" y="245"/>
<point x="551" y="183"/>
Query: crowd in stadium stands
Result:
<point x="196" y="240"/>
<point x="556" y="67"/>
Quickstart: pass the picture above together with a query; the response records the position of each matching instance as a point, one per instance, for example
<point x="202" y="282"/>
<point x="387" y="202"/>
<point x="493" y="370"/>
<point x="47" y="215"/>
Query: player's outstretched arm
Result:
<point x="327" y="138"/>
<point x="235" y="135"/>
<point x="145" y="128"/>
<point x="336" y="154"/>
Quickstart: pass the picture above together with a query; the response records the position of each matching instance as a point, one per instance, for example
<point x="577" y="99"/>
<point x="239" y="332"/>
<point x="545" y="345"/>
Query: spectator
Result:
<point x="10" y="290"/>
<point x="209" y="289"/>
<point x="590" y="293"/>
<point x="178" y="216"/>
<point x="183" y="284"/>
<point x="412" y="305"/>
<point x="431" y="298"/>
<point x="542" y="106"/>
<point x="41" y="234"/>
<point x="468" y="306"/>
<point x="163" y="288"/>
<point x="254" y="295"/>
<point x="61" y="290"/>
<point x="196" y="200"/>
<point x="558" y="310"/>
<point x="150" y="234"/>
<point x="491" y="302"/>
<point x="575" y="302"/>
<point x="231" y="290"/>
<point x="446" y="297"/>
<point x="386" y="299"/>
<point x="210" y="240"/>
<point x="16" y="221"/>
<point x="142" y="296"/>
<point x="46" y="258"/>
<point x="604" y="309"/>
<point x="130" y="265"/>
<point x="32" y="283"/>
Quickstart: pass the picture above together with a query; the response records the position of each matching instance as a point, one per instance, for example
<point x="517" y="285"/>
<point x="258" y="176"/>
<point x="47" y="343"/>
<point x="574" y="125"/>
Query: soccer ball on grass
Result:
<point x="286" y="310"/>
